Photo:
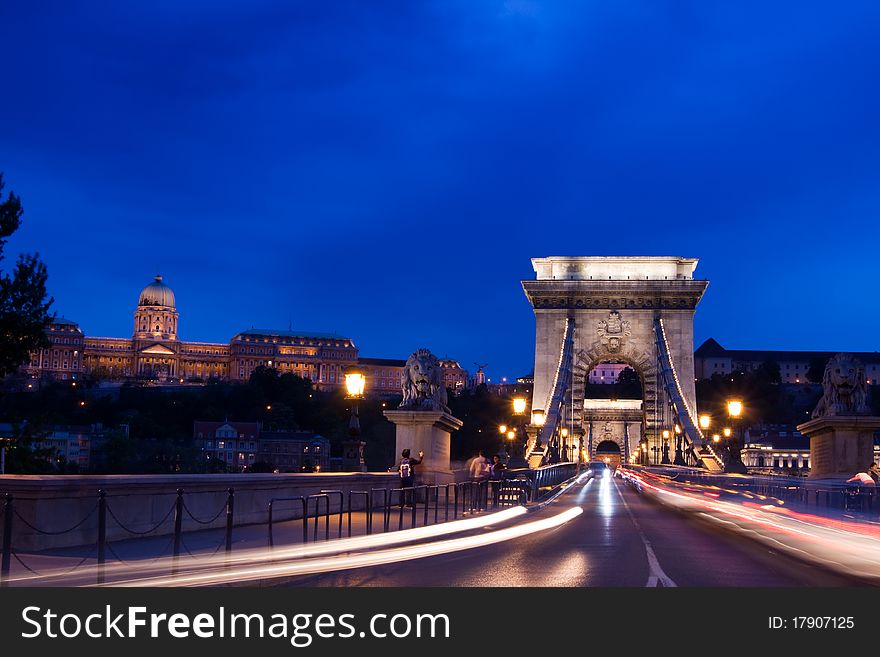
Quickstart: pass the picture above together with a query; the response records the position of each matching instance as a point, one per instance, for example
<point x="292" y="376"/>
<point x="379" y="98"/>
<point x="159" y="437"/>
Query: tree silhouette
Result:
<point x="23" y="304"/>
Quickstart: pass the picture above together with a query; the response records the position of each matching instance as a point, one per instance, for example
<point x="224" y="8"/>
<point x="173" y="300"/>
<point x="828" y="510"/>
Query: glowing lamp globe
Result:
<point x="538" y="417"/>
<point x="734" y="408"/>
<point x="355" y="382"/>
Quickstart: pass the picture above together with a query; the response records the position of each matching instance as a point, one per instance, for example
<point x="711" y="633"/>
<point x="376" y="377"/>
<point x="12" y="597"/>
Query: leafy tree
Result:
<point x="629" y="385"/>
<point x="817" y="369"/>
<point x="768" y="372"/>
<point x="23" y="304"/>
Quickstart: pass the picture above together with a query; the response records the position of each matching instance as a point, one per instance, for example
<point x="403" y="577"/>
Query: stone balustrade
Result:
<point x="141" y="502"/>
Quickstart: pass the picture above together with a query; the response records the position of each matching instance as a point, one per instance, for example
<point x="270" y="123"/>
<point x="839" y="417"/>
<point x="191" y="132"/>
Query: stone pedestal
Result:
<point x="353" y="456"/>
<point x="840" y="446"/>
<point x="428" y="432"/>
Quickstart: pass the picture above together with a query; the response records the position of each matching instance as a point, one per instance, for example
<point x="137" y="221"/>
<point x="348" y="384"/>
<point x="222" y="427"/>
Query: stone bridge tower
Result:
<point x="614" y="302"/>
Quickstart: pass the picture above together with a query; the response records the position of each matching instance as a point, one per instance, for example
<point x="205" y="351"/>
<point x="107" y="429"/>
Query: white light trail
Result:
<point x="243" y="573"/>
<point x="152" y="566"/>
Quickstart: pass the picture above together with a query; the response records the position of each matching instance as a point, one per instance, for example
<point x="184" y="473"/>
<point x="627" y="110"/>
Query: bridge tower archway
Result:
<point x="615" y="305"/>
<point x="610" y="452"/>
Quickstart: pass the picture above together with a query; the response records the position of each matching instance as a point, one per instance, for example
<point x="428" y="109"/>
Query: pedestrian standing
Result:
<point x="406" y="468"/>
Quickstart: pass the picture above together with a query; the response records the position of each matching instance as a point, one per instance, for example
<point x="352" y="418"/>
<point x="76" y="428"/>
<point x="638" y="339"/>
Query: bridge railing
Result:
<point x="818" y="497"/>
<point x="545" y="477"/>
<point x="326" y="513"/>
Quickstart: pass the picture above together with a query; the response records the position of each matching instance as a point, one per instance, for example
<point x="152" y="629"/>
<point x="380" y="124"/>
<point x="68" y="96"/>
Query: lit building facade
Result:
<point x="455" y="377"/>
<point x="383" y="375"/>
<point x="711" y="358"/>
<point x="233" y="443"/>
<point x="606" y="373"/>
<point x="240" y="445"/>
<point x="155" y="353"/>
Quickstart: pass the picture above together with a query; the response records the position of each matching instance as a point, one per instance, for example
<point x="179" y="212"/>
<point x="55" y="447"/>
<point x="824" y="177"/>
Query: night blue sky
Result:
<point x="386" y="170"/>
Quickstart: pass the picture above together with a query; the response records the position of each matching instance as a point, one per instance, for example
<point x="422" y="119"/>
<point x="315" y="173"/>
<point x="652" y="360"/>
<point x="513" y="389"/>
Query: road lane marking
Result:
<point x="656" y="576"/>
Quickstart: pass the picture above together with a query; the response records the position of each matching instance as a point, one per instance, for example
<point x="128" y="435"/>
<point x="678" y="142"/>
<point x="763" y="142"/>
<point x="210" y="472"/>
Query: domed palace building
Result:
<point x="155" y="352"/>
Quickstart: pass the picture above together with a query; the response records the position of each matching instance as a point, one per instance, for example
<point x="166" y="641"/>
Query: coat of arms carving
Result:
<point x="612" y="331"/>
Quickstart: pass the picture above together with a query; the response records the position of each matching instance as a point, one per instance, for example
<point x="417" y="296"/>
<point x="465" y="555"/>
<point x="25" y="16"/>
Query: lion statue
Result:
<point x="422" y="383"/>
<point x="844" y="388"/>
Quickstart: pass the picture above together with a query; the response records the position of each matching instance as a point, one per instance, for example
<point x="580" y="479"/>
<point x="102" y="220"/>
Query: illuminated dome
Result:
<point x="157" y="294"/>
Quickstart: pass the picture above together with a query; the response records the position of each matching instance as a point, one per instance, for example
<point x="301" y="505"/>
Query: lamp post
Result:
<point x="705" y="422"/>
<point x="679" y="454"/>
<point x="566" y="448"/>
<point x="518" y="445"/>
<point x="538" y="420"/>
<point x="355" y="384"/>
<point x="665" y="460"/>
<point x="502" y="453"/>
<point x="735" y="409"/>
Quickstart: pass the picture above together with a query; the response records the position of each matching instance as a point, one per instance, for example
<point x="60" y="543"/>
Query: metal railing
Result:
<point x="397" y="508"/>
<point x="102" y="546"/>
<point x="814" y="496"/>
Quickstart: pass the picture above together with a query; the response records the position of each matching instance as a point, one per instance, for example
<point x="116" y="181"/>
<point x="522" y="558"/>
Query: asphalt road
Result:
<point x="622" y="539"/>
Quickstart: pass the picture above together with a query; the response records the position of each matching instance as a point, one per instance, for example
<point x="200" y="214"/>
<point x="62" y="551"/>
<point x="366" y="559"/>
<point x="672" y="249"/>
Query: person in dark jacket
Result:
<point x="406" y="468"/>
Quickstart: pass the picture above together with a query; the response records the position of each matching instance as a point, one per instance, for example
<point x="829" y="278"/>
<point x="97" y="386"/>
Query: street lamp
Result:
<point x="665" y="458"/>
<point x="705" y="422"/>
<point x="565" y="447"/>
<point x="538" y="417"/>
<point x="355" y="383"/>
<point x="735" y="409"/>
<point x="502" y="429"/>
<point x="517" y="456"/>
<point x="538" y="420"/>
<point x="679" y="452"/>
